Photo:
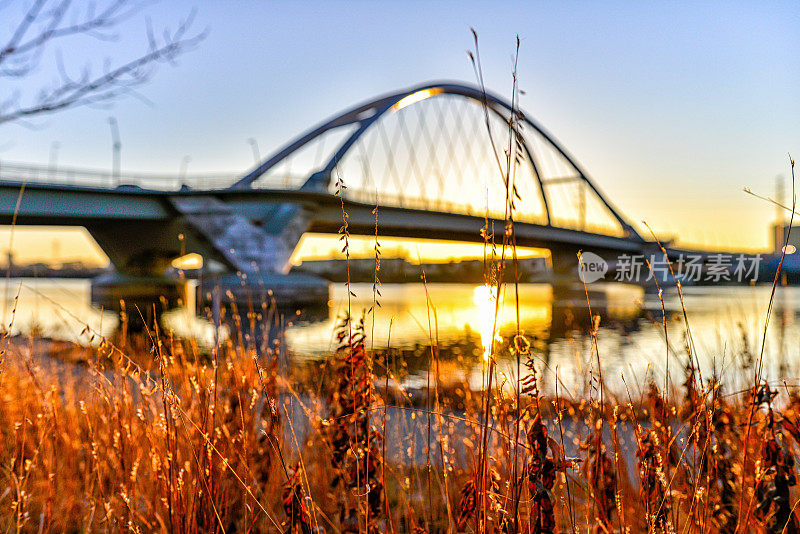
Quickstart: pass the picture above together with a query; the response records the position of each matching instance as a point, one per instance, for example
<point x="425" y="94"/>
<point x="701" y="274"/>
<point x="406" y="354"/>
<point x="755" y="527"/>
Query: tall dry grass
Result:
<point x="174" y="440"/>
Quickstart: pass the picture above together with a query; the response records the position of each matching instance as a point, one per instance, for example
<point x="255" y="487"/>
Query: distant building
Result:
<point x="400" y="270"/>
<point x="780" y="232"/>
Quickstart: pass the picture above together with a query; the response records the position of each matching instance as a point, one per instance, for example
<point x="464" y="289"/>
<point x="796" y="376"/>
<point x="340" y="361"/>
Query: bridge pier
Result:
<point x="146" y="297"/>
<point x="256" y="308"/>
<point x="255" y="291"/>
<point x="564" y="277"/>
<point x="143" y="298"/>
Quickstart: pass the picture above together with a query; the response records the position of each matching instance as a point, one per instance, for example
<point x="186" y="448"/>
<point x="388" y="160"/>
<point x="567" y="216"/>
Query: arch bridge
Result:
<point x="437" y="160"/>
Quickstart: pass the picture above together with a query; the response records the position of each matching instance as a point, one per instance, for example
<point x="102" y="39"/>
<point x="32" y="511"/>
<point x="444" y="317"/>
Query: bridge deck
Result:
<point x="48" y="204"/>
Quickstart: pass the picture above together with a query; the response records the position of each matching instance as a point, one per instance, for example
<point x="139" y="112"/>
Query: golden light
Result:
<point x="790" y="249"/>
<point x="485" y="299"/>
<point x="324" y="247"/>
<point x="188" y="262"/>
<point x="419" y="96"/>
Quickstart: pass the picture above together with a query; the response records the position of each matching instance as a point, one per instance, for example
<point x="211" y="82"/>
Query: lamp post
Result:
<point x="184" y="165"/>
<point x="116" y="149"/>
<point x="256" y="153"/>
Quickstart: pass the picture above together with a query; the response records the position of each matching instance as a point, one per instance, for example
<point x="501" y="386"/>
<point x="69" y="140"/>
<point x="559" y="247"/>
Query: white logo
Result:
<point x="591" y="267"/>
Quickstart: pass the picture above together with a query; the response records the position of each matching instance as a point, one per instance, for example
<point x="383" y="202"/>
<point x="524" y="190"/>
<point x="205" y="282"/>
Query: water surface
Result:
<point x="726" y="326"/>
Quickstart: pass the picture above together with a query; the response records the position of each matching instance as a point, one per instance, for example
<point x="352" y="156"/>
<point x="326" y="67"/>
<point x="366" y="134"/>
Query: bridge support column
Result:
<point x="145" y="297"/>
<point x="284" y="292"/>
<point x="256" y="308"/>
<point x="564" y="269"/>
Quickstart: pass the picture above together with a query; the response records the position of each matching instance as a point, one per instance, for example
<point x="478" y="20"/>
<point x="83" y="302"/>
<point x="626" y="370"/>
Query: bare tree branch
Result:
<point x="46" y="21"/>
<point x="23" y="27"/>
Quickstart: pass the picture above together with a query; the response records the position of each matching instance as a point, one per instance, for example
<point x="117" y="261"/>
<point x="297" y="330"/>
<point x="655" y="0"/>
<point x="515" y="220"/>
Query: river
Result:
<point x="725" y="325"/>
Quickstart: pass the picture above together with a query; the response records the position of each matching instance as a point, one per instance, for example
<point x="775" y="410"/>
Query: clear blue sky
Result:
<point x="672" y="107"/>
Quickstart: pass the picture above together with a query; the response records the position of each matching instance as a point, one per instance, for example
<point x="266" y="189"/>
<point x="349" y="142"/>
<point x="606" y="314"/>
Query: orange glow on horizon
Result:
<point x="326" y="247"/>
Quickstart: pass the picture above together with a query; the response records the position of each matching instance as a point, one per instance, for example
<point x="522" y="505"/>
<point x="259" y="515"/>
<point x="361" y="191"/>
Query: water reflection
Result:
<point x="485" y="299"/>
<point x="53" y="307"/>
<point x="462" y="309"/>
<point x="726" y="325"/>
<point x="463" y="320"/>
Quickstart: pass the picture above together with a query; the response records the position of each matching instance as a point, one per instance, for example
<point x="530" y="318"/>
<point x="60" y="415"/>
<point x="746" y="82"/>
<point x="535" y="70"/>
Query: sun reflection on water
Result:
<point x="485" y="299"/>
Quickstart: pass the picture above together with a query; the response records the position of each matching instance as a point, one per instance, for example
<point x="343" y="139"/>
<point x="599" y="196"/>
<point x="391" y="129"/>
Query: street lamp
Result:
<point x="116" y="148"/>
<point x="256" y="153"/>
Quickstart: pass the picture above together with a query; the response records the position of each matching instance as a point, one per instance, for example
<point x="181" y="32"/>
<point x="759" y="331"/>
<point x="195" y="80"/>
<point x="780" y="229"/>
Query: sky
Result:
<point x="672" y="107"/>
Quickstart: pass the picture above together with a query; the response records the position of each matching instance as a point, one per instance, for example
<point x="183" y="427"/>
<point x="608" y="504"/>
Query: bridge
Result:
<point x="438" y="160"/>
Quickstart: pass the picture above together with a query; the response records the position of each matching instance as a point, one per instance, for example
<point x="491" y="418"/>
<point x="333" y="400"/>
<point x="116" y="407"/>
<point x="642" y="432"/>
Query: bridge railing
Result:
<point x="71" y="176"/>
<point x="23" y="172"/>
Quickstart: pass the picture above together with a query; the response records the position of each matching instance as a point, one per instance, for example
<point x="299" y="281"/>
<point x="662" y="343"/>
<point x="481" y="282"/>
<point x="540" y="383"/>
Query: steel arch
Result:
<point x="366" y="114"/>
